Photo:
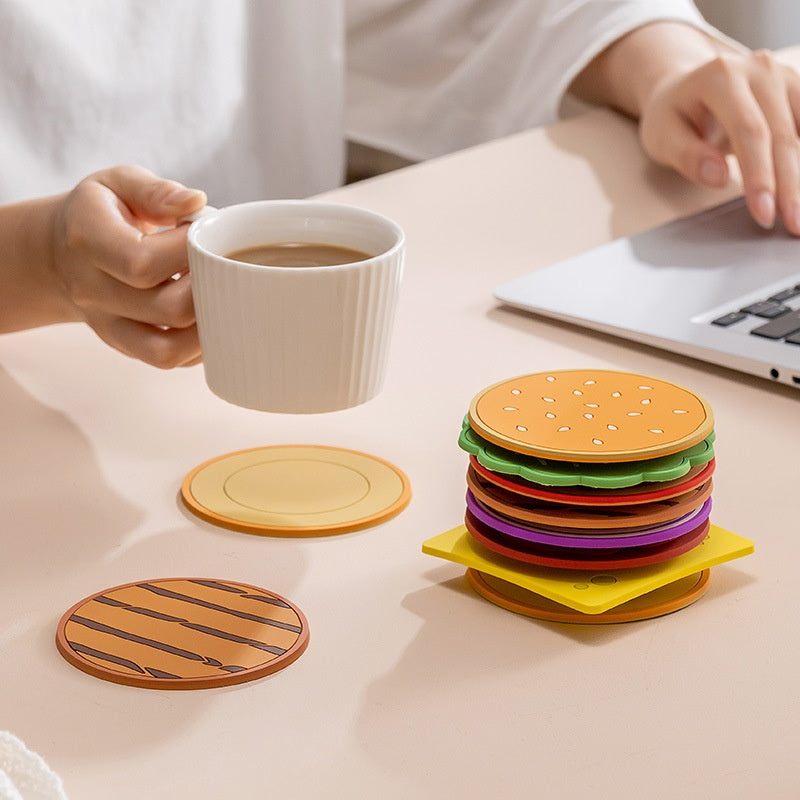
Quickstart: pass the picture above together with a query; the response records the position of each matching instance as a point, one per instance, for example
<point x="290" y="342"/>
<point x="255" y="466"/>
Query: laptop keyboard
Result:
<point x="780" y="313"/>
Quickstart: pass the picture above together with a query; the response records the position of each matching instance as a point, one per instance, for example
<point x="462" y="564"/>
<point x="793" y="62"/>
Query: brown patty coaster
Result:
<point x="182" y="633"/>
<point x="590" y="416"/>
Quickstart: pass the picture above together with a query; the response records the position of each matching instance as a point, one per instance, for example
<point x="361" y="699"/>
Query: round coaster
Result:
<point x="605" y="540"/>
<point x="664" y="600"/>
<point x="182" y="633"/>
<point x="568" y="558"/>
<point x="585" y="496"/>
<point x="591" y="415"/>
<point x="297" y="490"/>
<point x="606" y="475"/>
<point x="531" y="511"/>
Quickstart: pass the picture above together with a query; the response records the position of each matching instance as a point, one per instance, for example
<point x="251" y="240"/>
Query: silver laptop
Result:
<point x="712" y="286"/>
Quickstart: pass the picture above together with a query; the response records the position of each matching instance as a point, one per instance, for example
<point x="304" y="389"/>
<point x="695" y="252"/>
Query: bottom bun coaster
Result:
<point x="296" y="490"/>
<point x="672" y="597"/>
<point x="182" y="633"/>
<point x="588" y="591"/>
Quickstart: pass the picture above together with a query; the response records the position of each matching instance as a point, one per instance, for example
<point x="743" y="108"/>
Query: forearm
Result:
<point x="624" y="75"/>
<point x="31" y="293"/>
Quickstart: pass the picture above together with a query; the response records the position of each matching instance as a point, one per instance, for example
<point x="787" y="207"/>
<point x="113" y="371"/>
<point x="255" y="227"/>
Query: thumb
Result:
<point x="681" y="147"/>
<point x="149" y="197"/>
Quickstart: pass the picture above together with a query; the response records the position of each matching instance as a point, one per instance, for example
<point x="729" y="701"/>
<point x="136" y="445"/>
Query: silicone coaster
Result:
<point x="642" y="493"/>
<point x="672" y="597"/>
<point x="591" y="415"/>
<point x="591" y="593"/>
<point x="534" y="512"/>
<point x="182" y="633"/>
<point x="600" y="476"/>
<point x="298" y="490"/>
<point x="606" y="540"/>
<point x="569" y="558"/>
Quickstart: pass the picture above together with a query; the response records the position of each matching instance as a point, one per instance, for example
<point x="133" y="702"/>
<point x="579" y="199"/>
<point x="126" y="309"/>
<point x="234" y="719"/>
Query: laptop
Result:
<point x="712" y="286"/>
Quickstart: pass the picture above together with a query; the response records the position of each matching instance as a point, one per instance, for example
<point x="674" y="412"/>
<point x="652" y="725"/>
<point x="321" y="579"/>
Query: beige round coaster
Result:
<point x="182" y="633"/>
<point x="297" y="490"/>
<point x="590" y="415"/>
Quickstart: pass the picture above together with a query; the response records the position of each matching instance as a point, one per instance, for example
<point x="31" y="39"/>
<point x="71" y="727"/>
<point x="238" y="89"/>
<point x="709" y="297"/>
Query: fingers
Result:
<point x="149" y="197"/>
<point x="99" y="228"/>
<point x="165" y="349"/>
<point x="168" y="305"/>
<point x="746" y="105"/>
<point x="125" y="268"/>
<point x="753" y="108"/>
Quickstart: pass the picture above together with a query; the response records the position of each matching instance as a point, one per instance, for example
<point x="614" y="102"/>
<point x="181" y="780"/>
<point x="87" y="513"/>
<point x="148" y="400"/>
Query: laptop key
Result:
<point x="786" y="294"/>
<point x="766" y="308"/>
<point x="793" y="339"/>
<point x="729" y="319"/>
<point x="779" y="328"/>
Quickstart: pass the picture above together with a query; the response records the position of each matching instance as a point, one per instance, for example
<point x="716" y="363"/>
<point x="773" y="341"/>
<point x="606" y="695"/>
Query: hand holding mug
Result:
<point x="121" y="262"/>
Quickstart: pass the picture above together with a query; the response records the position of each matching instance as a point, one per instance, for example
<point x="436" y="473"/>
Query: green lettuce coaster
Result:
<point x="616" y="475"/>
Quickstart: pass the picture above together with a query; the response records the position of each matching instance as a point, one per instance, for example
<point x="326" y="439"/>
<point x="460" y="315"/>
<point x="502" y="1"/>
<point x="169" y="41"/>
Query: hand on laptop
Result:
<point x="699" y="99"/>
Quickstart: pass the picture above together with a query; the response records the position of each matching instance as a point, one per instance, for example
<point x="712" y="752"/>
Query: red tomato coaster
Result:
<point x="182" y="633"/>
<point x="560" y="515"/>
<point x="584" y="495"/>
<point x="569" y="558"/>
<point x="672" y="597"/>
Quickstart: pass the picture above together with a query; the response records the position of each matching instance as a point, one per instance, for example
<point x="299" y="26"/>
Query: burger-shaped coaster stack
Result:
<point x="589" y="497"/>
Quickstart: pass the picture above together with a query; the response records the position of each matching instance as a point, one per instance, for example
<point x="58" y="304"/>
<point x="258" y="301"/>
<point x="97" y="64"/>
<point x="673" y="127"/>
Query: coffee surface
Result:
<point x="298" y="254"/>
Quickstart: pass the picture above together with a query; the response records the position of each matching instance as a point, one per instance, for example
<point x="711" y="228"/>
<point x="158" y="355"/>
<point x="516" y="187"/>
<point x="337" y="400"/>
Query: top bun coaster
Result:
<point x="590" y="416"/>
<point x="296" y="490"/>
<point x="182" y="633"/>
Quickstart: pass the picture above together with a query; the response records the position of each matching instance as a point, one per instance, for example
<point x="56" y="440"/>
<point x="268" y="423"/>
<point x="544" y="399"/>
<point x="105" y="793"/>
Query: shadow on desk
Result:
<point x="481" y="685"/>
<point x="61" y="520"/>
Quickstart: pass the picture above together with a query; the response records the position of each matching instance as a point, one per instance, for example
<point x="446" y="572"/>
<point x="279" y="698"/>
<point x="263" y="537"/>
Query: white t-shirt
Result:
<point x="425" y="77"/>
<point x="245" y="98"/>
<point x="240" y="98"/>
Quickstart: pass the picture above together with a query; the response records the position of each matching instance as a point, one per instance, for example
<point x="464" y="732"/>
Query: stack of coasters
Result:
<point x="589" y="497"/>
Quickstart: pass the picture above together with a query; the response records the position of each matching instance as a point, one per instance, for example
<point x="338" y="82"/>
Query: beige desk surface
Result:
<point x="412" y="686"/>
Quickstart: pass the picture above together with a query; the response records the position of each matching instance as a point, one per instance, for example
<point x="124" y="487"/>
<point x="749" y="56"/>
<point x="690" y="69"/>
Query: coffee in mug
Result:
<point x="298" y="254"/>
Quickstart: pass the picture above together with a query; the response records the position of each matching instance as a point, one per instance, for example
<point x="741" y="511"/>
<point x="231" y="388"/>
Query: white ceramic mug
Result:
<point x="295" y="339"/>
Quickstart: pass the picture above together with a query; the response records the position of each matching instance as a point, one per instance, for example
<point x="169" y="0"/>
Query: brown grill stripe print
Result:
<point x="182" y="633"/>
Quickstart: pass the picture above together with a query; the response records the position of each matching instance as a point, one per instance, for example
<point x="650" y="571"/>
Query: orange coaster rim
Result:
<point x="589" y="517"/>
<point x="181" y="633"/>
<point x="664" y="600"/>
<point x="590" y="416"/>
<point x="296" y="490"/>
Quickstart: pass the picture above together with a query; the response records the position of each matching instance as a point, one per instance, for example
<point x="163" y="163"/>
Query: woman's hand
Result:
<point x="747" y="105"/>
<point x="121" y="263"/>
<point x="699" y="99"/>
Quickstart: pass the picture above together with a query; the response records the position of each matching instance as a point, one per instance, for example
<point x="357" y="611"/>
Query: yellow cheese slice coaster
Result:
<point x="585" y="590"/>
<point x="664" y="600"/>
<point x="296" y="490"/>
<point x="590" y="415"/>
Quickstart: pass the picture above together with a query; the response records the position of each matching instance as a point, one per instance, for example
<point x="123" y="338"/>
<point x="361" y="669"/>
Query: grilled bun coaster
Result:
<point x="182" y="633"/>
<point x="588" y="497"/>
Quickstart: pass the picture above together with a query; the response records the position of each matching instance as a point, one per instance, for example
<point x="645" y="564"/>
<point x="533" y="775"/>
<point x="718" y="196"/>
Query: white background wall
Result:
<point x="756" y="23"/>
